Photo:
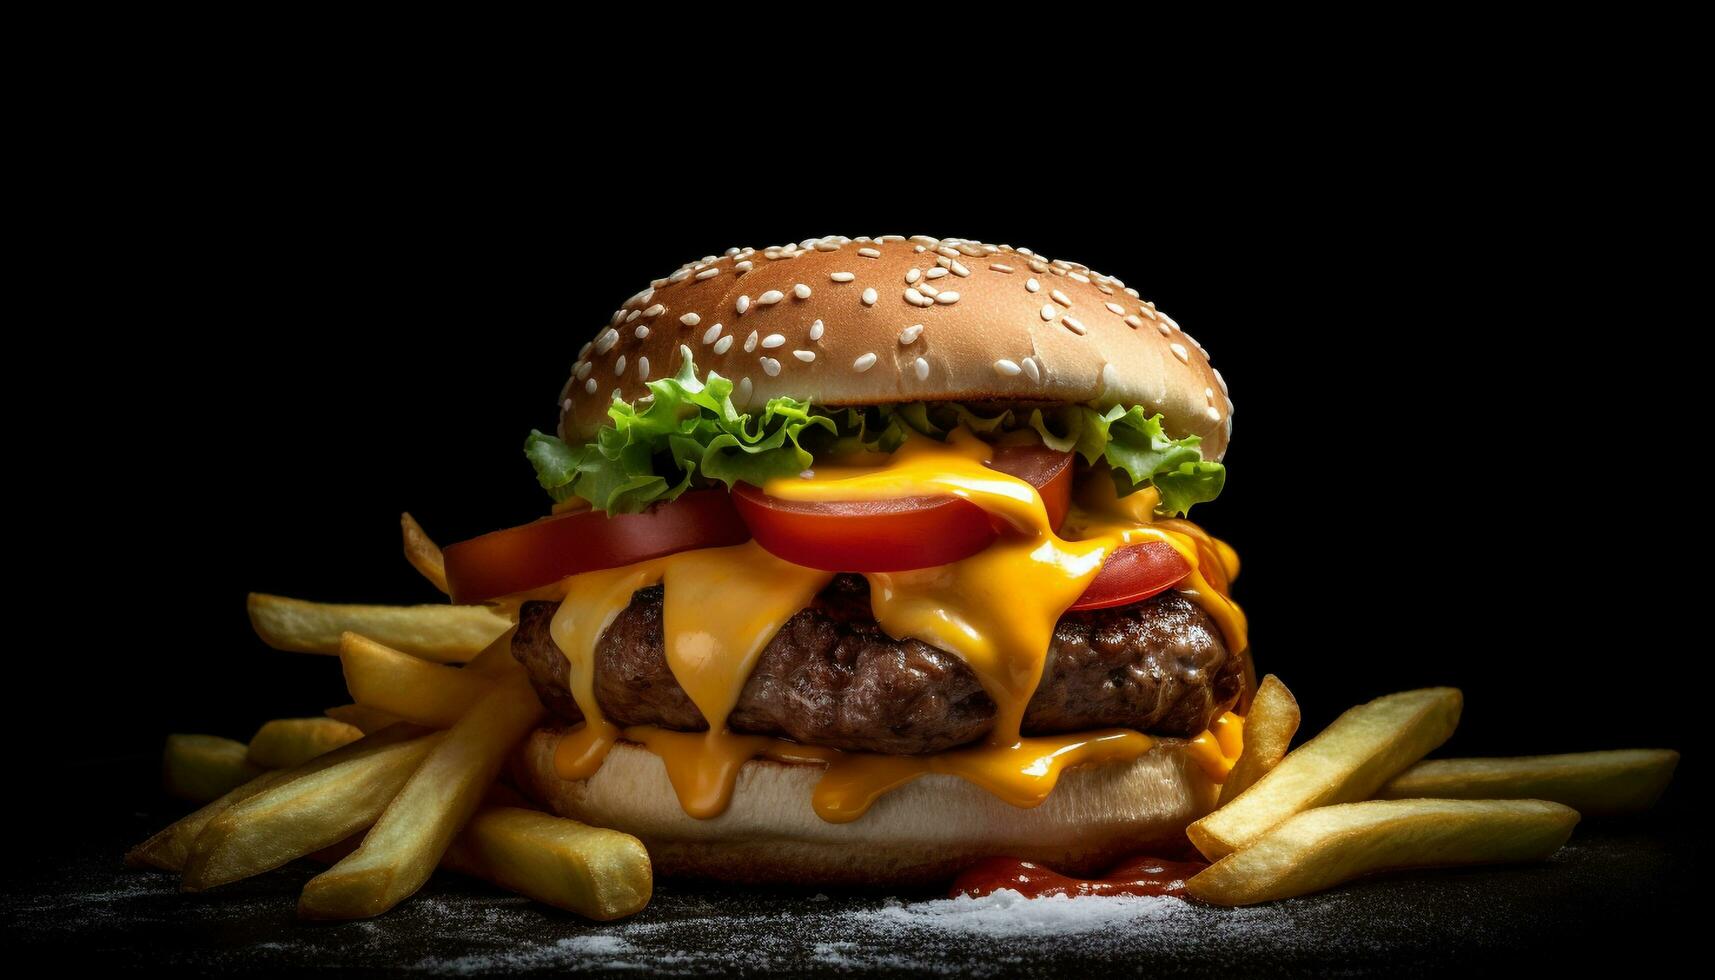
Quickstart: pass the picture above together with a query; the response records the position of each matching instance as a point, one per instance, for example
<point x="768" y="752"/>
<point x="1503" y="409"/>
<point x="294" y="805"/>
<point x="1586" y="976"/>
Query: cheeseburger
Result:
<point x="869" y="559"/>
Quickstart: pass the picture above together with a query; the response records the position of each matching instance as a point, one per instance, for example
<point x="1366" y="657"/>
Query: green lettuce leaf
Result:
<point x="689" y="434"/>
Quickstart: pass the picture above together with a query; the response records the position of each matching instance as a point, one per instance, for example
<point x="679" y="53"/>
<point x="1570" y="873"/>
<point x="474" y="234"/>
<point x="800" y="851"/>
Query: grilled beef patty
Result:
<point x="832" y="677"/>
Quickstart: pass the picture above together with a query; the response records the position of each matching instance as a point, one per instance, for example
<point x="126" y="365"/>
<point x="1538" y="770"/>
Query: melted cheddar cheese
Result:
<point x="995" y="609"/>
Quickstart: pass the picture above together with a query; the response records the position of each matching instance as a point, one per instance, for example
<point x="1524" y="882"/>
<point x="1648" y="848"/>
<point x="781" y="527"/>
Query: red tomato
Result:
<point x="1133" y="574"/>
<point x="543" y="552"/>
<point x="895" y="535"/>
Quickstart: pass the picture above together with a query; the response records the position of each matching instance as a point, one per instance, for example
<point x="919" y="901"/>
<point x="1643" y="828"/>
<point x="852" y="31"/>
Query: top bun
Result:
<point x="842" y="321"/>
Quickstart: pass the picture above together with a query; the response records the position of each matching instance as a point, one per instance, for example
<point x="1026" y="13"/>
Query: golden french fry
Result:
<point x="408" y="840"/>
<point x="1269" y="728"/>
<point x="601" y="874"/>
<point x="1593" y="783"/>
<point x="430" y="694"/>
<point x="423" y="553"/>
<point x="168" y="848"/>
<point x="1321" y="848"/>
<point x="444" y="634"/>
<point x="1349" y="760"/>
<point x="304" y="814"/>
<point x="496" y="659"/>
<point x="362" y="717"/>
<point x="287" y="742"/>
<point x="201" y="768"/>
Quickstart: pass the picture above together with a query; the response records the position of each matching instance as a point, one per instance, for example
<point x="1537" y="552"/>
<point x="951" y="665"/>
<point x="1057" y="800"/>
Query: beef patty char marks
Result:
<point x="832" y="677"/>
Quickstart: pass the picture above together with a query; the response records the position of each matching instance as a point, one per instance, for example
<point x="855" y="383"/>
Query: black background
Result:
<point x="1458" y="456"/>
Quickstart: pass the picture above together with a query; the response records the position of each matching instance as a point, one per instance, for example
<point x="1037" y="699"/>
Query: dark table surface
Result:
<point x="1615" y="890"/>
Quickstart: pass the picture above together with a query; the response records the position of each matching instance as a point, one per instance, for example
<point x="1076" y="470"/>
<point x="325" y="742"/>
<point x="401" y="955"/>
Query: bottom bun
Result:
<point x="925" y="831"/>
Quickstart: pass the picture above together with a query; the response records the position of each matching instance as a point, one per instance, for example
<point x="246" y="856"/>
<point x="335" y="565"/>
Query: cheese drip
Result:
<point x="996" y="610"/>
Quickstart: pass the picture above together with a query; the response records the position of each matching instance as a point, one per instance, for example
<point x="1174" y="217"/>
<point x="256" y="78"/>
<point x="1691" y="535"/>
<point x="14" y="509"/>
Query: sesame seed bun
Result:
<point x="843" y="321"/>
<point x="925" y="831"/>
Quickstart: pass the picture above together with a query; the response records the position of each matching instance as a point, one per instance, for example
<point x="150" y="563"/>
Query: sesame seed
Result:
<point x="960" y="270"/>
<point x="1006" y="368"/>
<point x="750" y="342"/>
<point x="915" y="297"/>
<point x="634" y="314"/>
<point x="947" y="298"/>
<point x="744" y="266"/>
<point x="1059" y="297"/>
<point x="869" y="253"/>
<point x="1110" y="377"/>
<point x="708" y="273"/>
<point x="605" y="342"/>
<point x="772" y="341"/>
<point x="841" y="276"/>
<point x="1129" y="291"/>
<point x="998" y="267"/>
<point x="816" y="330"/>
<point x="770" y="366"/>
<point x="1031" y="285"/>
<point x="919" y="249"/>
<point x="619" y="365"/>
<point x="1133" y="321"/>
<point x="724" y="344"/>
<point x="1214" y="414"/>
<point x="922" y="368"/>
<point x="1209" y="395"/>
<point x="943" y="262"/>
<point x="589" y="387"/>
<point x="690" y="319"/>
<point x="804" y="355"/>
<point x="1169" y="321"/>
<point x="1115" y="309"/>
<point x="641" y="332"/>
<point x="925" y="240"/>
<point x="566" y="406"/>
<point x="584" y="351"/>
<point x="1037" y="265"/>
<point x="948" y="252"/>
<point x="770" y="298"/>
<point x="910" y="334"/>
<point x="744" y="389"/>
<point x="913" y="275"/>
<point x="643" y="368"/>
<point x="680" y="276"/>
<point x="863" y="363"/>
<point x="1166" y="331"/>
<point x="743" y="304"/>
<point x="1074" y="324"/>
<point x="869" y="297"/>
<point x="1033" y="369"/>
<point x="1075" y="277"/>
<point x="655" y="310"/>
<point x="1180" y="352"/>
<point x="1221" y="381"/>
<point x="711" y="334"/>
<point x="1048" y="311"/>
<point x="929" y="290"/>
<point x="936" y="272"/>
<point x="801" y="291"/>
<point x="827" y="246"/>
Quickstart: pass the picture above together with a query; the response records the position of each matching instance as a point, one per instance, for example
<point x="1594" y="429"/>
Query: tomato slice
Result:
<point x="543" y="552"/>
<point x="1133" y="574"/>
<point x="895" y="535"/>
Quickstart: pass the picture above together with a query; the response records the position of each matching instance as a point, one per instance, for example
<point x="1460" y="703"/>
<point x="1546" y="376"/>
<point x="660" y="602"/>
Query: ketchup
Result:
<point x="1142" y="875"/>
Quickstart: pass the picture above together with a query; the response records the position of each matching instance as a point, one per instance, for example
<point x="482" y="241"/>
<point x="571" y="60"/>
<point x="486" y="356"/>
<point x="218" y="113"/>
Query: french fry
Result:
<point x="1269" y="728"/>
<point x="430" y="694"/>
<point x="1604" y="784"/>
<point x="601" y="874"/>
<point x="201" y="768"/>
<point x="423" y="553"/>
<point x="444" y="634"/>
<point x="362" y="717"/>
<point x="1324" y="847"/>
<point x="1349" y="760"/>
<point x="287" y="742"/>
<point x="408" y="840"/>
<point x="496" y="659"/>
<point x="304" y="814"/>
<point x="167" y="848"/>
